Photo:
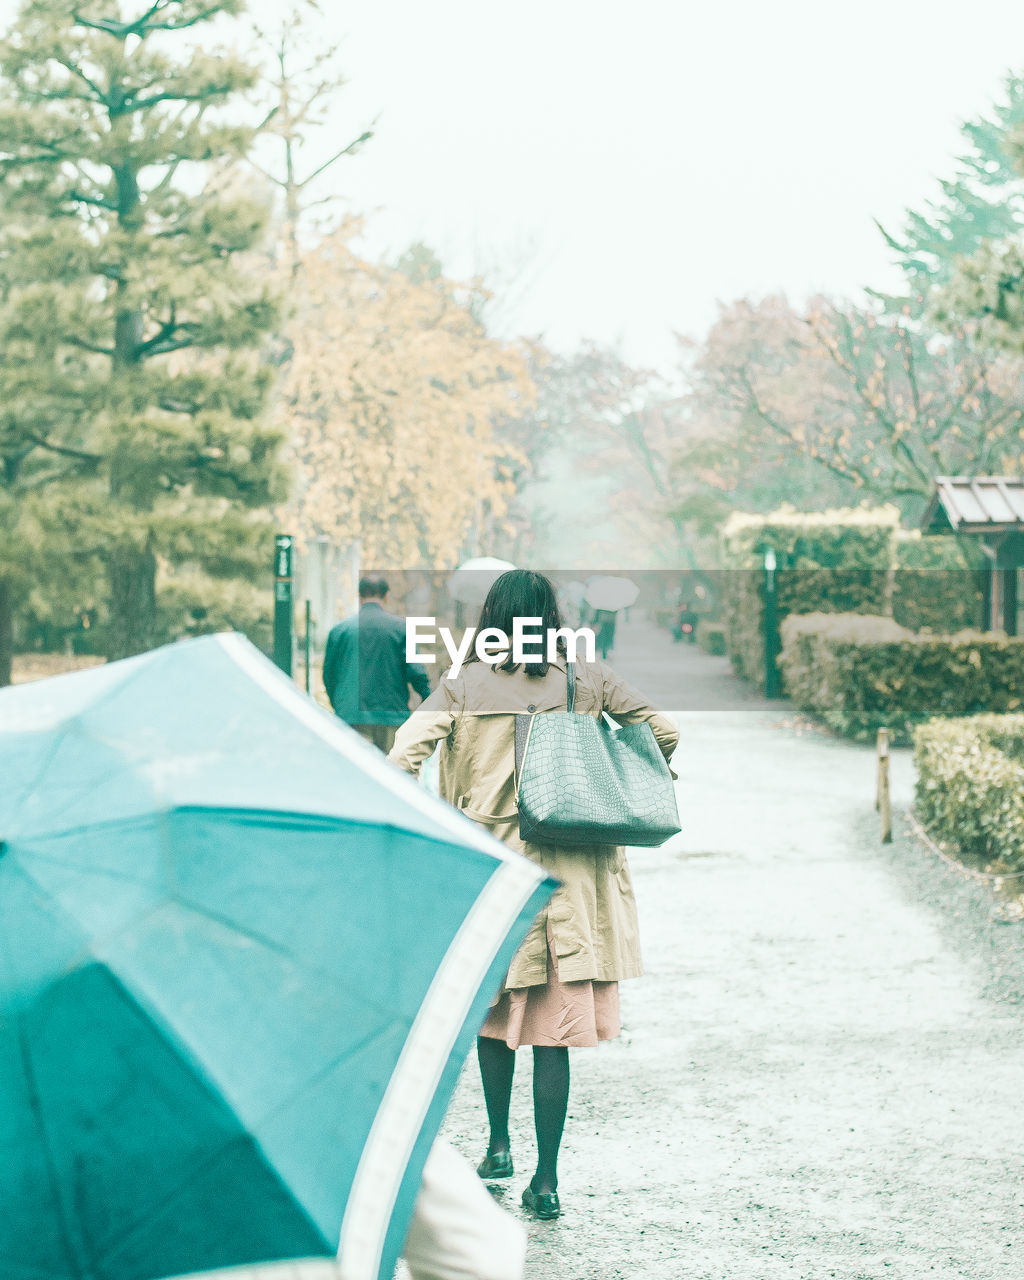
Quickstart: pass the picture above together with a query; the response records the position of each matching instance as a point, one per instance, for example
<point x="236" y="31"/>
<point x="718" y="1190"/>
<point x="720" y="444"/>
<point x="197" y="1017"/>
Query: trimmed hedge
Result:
<point x="845" y="561"/>
<point x="940" y="583"/>
<point x="970" y="785"/>
<point x="711" y="637"/>
<point x="827" y="562"/>
<point x="859" y="673"/>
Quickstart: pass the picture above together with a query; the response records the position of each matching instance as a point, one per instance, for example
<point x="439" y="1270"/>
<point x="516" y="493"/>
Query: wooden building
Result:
<point x="991" y="509"/>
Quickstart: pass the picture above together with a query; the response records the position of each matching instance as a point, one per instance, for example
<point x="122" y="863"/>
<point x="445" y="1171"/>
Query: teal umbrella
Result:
<point x="242" y="959"/>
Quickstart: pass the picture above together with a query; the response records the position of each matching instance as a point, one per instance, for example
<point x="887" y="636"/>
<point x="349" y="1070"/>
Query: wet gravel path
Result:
<point x="821" y="1074"/>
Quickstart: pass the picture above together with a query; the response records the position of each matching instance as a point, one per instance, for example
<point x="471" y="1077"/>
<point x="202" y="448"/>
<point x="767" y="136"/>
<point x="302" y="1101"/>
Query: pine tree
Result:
<point x="131" y="319"/>
<point x="983" y="202"/>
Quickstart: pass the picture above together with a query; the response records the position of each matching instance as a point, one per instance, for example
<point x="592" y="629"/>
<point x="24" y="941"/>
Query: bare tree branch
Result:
<point x="63" y="451"/>
<point x="363" y="137"/>
<point x="84" y="345"/>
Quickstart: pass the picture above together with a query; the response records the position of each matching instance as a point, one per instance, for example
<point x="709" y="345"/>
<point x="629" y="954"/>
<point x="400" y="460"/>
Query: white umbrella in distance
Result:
<point x="470" y="582"/>
<point x="611" y="593"/>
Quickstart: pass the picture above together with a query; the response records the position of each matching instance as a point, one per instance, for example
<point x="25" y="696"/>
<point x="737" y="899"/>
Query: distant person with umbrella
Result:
<point x="603" y="622"/>
<point x="606" y="596"/>
<point x="561" y="990"/>
<point x="365" y="672"/>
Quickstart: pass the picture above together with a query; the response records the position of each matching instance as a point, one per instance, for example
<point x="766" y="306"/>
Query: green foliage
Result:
<point x="862" y="673"/>
<point x="836" y="401"/>
<point x="192" y="603"/>
<point x="987" y="291"/>
<point x="828" y="561"/>
<point x="855" y="561"/>
<point x="964" y="256"/>
<point x="712" y="637"/>
<point x="939" y="583"/>
<point x="970" y="785"/>
<point x="131" y="381"/>
<point x="982" y="201"/>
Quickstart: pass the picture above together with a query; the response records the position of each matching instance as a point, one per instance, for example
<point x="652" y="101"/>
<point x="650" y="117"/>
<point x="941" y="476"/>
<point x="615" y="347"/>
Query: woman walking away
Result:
<point x="561" y="990"/>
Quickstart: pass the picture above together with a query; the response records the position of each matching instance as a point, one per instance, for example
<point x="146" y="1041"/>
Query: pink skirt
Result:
<point x="573" y="1015"/>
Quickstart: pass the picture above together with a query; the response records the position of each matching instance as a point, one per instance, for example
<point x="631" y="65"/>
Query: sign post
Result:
<point x="308" y="642"/>
<point x="772" y="681"/>
<point x="284" y="621"/>
<point x="883" y="792"/>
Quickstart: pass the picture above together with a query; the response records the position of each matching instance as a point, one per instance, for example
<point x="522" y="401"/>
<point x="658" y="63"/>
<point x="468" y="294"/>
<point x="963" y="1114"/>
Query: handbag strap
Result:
<point x="522" y="736"/>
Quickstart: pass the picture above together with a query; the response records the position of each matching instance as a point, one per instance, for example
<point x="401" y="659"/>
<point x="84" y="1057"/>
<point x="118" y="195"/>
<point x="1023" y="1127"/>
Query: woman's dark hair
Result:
<point x="521" y="593"/>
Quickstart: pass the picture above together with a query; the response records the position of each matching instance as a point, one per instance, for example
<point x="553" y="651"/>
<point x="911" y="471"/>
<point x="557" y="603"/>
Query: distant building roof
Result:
<point x="976" y="504"/>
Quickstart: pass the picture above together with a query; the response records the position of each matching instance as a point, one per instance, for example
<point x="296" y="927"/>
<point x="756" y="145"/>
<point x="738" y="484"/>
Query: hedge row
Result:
<point x="845" y="561"/>
<point x="711" y="637"/>
<point x="827" y="561"/>
<point x="859" y="673"/>
<point x="970" y="785"/>
<point x="939" y="583"/>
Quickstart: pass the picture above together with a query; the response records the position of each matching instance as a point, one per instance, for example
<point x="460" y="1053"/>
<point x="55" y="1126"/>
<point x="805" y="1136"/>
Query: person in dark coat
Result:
<point x="604" y="628"/>
<point x="365" y="672"/>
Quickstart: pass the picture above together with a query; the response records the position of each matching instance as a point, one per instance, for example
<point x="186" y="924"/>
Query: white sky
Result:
<point x="655" y="156"/>
<point x="650" y="157"/>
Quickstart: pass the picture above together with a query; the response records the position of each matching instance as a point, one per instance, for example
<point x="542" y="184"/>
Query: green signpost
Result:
<point x="284" y="621"/>
<point x="772" y="679"/>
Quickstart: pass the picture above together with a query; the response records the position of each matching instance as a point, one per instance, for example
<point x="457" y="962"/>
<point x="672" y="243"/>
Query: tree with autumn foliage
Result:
<point x="597" y="482"/>
<point x="388" y="402"/>
<point x="132" y="323"/>
<point x="840" y="400"/>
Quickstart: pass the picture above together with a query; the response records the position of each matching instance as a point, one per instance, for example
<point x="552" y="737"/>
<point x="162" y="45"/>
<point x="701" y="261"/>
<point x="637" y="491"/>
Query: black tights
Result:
<point x="550" y="1100"/>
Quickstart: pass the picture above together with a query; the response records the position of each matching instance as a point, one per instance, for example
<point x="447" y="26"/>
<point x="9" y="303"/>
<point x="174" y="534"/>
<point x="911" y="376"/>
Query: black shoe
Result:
<point x="542" y="1204"/>
<point x="497" y="1166"/>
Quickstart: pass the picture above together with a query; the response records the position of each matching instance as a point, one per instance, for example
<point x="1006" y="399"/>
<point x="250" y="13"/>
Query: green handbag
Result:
<point x="580" y="781"/>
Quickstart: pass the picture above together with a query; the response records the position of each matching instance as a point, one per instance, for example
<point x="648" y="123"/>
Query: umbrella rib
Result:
<point x="43" y="768"/>
<point x="244" y="1135"/>
<point x="68" y="724"/>
<point x="232" y="926"/>
<point x="166" y="1201"/>
<point x="325" y="1071"/>
<point x="35" y="1103"/>
<point x="299" y="816"/>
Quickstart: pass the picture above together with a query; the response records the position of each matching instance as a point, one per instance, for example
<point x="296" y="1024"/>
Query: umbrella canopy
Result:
<point x="611" y="593"/>
<point x="471" y="581"/>
<point x="241" y="961"/>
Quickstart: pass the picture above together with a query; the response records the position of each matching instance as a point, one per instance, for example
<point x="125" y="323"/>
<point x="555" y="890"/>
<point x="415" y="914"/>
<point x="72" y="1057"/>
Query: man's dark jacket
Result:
<point x="365" y="672"/>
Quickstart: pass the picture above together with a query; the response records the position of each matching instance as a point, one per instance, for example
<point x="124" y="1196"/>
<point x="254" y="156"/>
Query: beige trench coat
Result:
<point x="592" y="915"/>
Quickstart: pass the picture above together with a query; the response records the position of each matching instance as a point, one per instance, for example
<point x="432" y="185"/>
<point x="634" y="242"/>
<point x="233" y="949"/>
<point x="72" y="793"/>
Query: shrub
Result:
<point x="827" y="562"/>
<point x="191" y="603"/>
<point x="858" y="673"/>
<point x="970" y="785"/>
<point x="940" y="583"/>
<point x="845" y="561"/>
<point x="711" y="637"/>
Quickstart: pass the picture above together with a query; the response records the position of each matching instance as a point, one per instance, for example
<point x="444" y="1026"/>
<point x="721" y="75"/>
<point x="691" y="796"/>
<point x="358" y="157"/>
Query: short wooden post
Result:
<point x="883" y="795"/>
<point x="307" y="646"/>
